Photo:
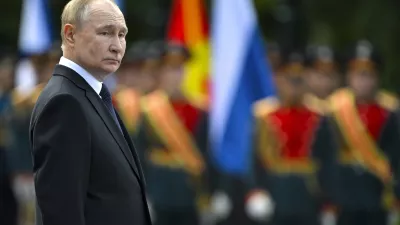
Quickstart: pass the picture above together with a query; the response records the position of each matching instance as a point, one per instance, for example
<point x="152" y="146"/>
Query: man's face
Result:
<point x="291" y="89"/>
<point x="175" y="59"/>
<point x="170" y="81"/>
<point x="100" y="41"/>
<point x="364" y="83"/>
<point x="321" y="84"/>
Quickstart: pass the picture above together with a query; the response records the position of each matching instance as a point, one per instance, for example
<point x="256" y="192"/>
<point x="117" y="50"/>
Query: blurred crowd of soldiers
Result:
<point x="326" y="149"/>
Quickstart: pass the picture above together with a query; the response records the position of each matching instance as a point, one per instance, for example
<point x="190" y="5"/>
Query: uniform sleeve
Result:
<point x="18" y="154"/>
<point x="324" y="153"/>
<point x="61" y="151"/>
<point x="142" y="142"/>
<point x="258" y="174"/>
<point x="210" y="175"/>
<point x="390" y="144"/>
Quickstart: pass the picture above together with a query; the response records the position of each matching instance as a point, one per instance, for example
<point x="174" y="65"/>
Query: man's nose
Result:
<point x="116" y="45"/>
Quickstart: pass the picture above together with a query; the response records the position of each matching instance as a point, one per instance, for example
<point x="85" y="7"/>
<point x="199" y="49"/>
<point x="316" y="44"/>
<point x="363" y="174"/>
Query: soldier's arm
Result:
<point x="141" y="140"/>
<point x="324" y="153"/>
<point x="202" y="142"/>
<point x="258" y="173"/>
<point x="390" y="144"/>
<point x="16" y="153"/>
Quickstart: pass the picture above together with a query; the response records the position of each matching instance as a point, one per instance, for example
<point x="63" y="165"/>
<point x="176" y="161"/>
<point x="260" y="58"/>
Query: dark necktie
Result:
<point x="107" y="100"/>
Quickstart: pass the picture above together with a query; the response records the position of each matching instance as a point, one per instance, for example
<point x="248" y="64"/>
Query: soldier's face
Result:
<point x="291" y="89"/>
<point x="175" y="59"/>
<point x="170" y="81"/>
<point x="321" y="84"/>
<point x="363" y="83"/>
<point x="151" y="65"/>
<point x="99" y="42"/>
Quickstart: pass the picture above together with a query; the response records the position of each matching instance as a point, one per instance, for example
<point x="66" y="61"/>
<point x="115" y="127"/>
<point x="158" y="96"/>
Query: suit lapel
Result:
<point x="112" y="127"/>
<point x="131" y="147"/>
<point x="102" y="111"/>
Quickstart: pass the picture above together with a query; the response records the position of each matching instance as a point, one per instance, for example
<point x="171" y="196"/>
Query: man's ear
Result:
<point x="69" y="34"/>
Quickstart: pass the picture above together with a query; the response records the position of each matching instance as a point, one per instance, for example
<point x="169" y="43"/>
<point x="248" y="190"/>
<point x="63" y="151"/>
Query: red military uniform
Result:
<point x="366" y="140"/>
<point x="286" y="151"/>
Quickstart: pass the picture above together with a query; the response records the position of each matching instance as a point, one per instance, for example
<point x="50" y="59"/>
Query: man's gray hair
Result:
<point x="75" y="13"/>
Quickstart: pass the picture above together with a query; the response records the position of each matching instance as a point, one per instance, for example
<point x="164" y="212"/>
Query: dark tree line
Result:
<point x="292" y="23"/>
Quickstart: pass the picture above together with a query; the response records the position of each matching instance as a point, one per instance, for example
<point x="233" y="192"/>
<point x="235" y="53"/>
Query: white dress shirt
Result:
<point x="91" y="80"/>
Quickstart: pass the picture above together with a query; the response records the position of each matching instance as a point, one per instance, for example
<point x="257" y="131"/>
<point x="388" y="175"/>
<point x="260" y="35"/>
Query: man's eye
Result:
<point x="121" y="35"/>
<point x="104" y="33"/>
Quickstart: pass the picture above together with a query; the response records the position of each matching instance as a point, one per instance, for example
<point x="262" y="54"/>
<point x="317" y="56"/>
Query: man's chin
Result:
<point x="109" y="69"/>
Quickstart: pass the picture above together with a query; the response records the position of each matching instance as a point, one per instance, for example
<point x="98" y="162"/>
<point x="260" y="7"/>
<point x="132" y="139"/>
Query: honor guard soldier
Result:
<point x="287" y="150"/>
<point x="229" y="191"/>
<point x="322" y="78"/>
<point x="8" y="208"/>
<point x="126" y="97"/>
<point x="174" y="164"/>
<point x="367" y="143"/>
<point x="19" y="151"/>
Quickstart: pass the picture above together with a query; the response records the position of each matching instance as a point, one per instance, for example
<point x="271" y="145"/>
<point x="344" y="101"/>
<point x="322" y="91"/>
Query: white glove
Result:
<point x="393" y="217"/>
<point x="221" y="205"/>
<point x="260" y="206"/>
<point x="24" y="188"/>
<point x="328" y="218"/>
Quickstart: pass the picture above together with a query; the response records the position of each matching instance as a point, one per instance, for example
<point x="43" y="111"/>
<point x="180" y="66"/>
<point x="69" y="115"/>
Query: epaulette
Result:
<point x="265" y="106"/>
<point x="387" y="100"/>
<point x="153" y="99"/>
<point x="18" y="98"/>
<point x="36" y="93"/>
<point x="127" y="93"/>
<point x="127" y="99"/>
<point x="315" y="104"/>
<point x="333" y="98"/>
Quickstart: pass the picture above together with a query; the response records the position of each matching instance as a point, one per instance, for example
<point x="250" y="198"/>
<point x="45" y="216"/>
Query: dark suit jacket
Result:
<point x="86" y="171"/>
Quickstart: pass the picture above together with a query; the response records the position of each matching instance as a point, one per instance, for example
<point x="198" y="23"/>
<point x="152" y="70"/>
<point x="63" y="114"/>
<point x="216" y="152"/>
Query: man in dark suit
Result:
<point x="86" y="168"/>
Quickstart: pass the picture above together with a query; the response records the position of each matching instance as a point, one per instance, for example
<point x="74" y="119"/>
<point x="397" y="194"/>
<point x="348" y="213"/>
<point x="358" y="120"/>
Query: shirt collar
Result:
<point x="91" y="80"/>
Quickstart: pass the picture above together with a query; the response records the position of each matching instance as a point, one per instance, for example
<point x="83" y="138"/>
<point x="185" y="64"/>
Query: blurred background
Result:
<point x="293" y="24"/>
<point x="186" y="48"/>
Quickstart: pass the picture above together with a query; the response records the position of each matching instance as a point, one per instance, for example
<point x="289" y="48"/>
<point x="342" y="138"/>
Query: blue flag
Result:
<point x="240" y="76"/>
<point x="34" y="34"/>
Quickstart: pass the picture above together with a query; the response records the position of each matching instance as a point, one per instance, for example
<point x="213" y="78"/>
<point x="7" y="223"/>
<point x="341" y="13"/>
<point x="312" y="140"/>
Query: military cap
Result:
<point x="321" y="58"/>
<point x="364" y="58"/>
<point x="176" y="47"/>
<point x="294" y="65"/>
<point x="136" y="52"/>
<point x="293" y="68"/>
<point x="154" y="50"/>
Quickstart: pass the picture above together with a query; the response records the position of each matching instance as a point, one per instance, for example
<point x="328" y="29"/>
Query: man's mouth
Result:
<point x="113" y="60"/>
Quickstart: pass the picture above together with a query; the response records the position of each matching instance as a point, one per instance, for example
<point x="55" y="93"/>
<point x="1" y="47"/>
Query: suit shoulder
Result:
<point x="54" y="102"/>
<point x="265" y="106"/>
<point x="59" y="85"/>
